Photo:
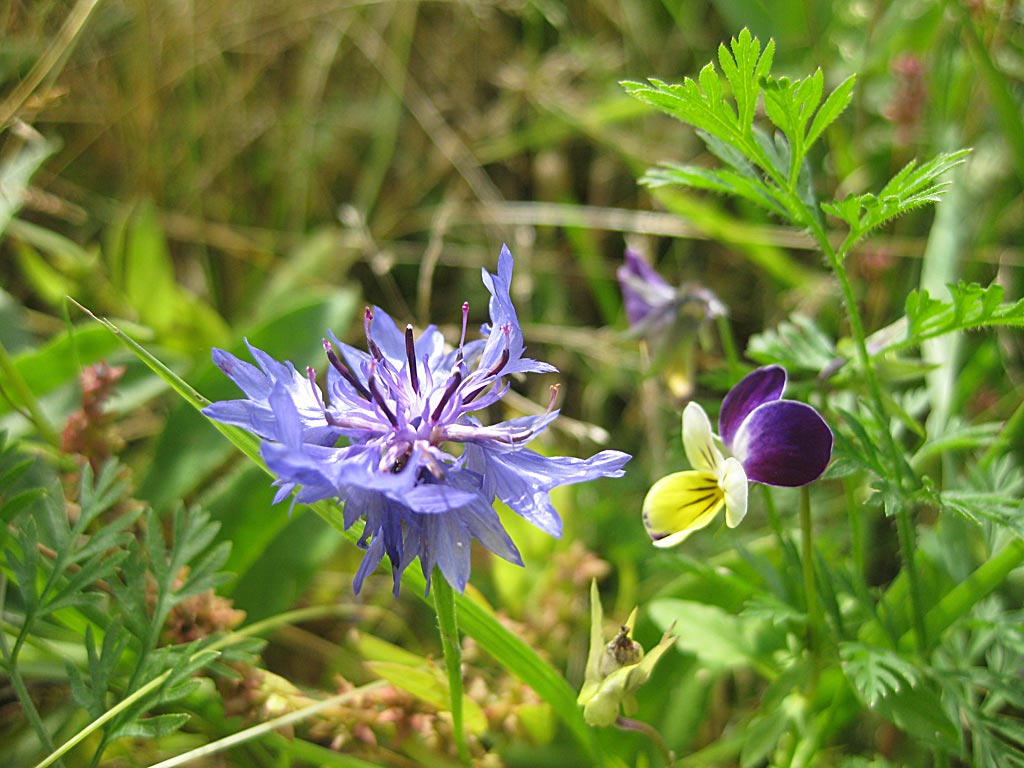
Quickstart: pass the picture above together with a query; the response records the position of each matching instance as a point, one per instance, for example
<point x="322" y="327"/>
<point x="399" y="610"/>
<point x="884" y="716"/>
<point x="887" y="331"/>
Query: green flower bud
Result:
<point x="615" y="670"/>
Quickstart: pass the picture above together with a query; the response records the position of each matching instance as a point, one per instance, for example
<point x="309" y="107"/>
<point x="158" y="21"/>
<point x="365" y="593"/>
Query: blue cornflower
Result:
<point x="398" y="441"/>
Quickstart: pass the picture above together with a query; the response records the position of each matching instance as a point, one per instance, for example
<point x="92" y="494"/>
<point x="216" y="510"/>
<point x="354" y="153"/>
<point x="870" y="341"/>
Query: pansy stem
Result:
<point x="807" y="559"/>
<point x="444" y="604"/>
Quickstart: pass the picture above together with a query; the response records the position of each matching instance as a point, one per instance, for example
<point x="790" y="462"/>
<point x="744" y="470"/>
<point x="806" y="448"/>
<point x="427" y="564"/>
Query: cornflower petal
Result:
<point x="761" y="386"/>
<point x="784" y="443"/>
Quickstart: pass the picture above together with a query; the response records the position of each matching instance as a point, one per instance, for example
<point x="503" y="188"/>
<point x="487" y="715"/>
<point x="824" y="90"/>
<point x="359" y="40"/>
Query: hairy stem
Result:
<point x="904" y="523"/>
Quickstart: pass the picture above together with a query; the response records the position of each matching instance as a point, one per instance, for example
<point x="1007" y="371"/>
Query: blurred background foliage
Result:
<point x="205" y="171"/>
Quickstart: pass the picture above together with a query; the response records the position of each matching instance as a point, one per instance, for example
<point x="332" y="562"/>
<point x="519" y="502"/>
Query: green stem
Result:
<point x="106" y="717"/>
<point x="10" y="658"/>
<point x="960" y="599"/>
<point x="27" y="399"/>
<point x="904" y="524"/>
<point x="810" y="586"/>
<point x="444" y="604"/>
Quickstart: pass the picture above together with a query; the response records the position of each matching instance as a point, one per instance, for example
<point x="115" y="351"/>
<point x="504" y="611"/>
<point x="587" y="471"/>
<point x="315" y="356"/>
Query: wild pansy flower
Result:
<point x="398" y="440"/>
<point x="671" y="320"/>
<point x="772" y="441"/>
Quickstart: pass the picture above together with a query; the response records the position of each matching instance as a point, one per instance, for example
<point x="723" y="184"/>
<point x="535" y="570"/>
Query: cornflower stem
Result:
<point x="444" y="604"/>
<point x="810" y="586"/>
<point x="27" y="399"/>
<point x="904" y="523"/>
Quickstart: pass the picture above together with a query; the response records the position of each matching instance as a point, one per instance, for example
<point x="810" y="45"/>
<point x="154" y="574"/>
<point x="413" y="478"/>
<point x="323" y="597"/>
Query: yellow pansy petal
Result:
<point x="681" y="503"/>
<point x="699" y="441"/>
<point x="734" y="483"/>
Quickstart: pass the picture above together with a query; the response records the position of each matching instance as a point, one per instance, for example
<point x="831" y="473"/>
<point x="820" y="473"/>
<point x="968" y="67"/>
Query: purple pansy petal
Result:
<point x="643" y="289"/>
<point x="761" y="386"/>
<point x="783" y="443"/>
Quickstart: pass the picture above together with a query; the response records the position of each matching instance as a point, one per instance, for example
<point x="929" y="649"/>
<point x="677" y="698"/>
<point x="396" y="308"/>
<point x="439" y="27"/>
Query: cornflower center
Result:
<point x="411" y="409"/>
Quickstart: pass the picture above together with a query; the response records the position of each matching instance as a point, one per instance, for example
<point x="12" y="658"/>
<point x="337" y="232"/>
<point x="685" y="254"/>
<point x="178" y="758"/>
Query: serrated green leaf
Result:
<point x="833" y="107"/>
<point x="721" y="181"/>
<point x="745" y="66"/>
<point x="797" y="344"/>
<point x="876" y="672"/>
<point x="971" y="307"/>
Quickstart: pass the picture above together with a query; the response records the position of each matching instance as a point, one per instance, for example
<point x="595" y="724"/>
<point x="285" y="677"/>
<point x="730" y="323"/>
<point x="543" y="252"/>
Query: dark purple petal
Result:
<point x="643" y="289"/>
<point x="783" y="443"/>
<point x="757" y="387"/>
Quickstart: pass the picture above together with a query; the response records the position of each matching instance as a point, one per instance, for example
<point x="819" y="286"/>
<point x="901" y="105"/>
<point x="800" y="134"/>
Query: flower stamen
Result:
<point x="453" y="384"/>
<point x="378" y="398"/>
<point x="370" y="343"/>
<point x="343" y="370"/>
<point x="410" y="354"/>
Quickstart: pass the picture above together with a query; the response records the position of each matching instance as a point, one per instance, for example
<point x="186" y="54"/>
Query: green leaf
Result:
<point x="725" y="182"/>
<point x="745" y="67"/>
<point x="971" y="307"/>
<point x="57" y="362"/>
<point x="914" y="186"/>
<point x="897" y="690"/>
<point x="876" y="672"/>
<point x="720" y="640"/>
<point x="798" y="344"/>
<point x="834" y="105"/>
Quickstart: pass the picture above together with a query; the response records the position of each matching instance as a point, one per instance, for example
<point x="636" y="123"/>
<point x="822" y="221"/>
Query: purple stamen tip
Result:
<point x="410" y="354"/>
<point x="378" y="398"/>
